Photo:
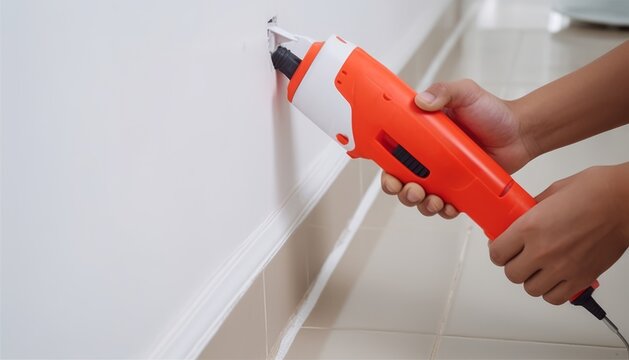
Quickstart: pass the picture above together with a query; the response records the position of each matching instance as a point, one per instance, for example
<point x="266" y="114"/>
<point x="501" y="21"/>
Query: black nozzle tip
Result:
<point x="586" y="300"/>
<point x="285" y="61"/>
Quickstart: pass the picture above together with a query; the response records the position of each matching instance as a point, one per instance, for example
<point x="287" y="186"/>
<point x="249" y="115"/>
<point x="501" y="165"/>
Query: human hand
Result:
<point x="490" y="121"/>
<point x="579" y="228"/>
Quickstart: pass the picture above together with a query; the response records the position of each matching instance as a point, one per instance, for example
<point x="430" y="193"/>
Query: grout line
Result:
<point x="454" y="284"/>
<point x="516" y="53"/>
<point x="534" y="342"/>
<point x="441" y="56"/>
<point x="480" y="338"/>
<point x="307" y="262"/>
<point x="349" y="329"/>
<point x="314" y="293"/>
<point x="511" y="82"/>
<point x="266" y="321"/>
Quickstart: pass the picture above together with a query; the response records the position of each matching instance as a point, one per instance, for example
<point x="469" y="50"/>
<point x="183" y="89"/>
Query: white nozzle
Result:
<point x="277" y="36"/>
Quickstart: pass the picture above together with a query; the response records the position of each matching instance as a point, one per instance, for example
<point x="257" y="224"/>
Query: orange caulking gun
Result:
<point x="371" y="113"/>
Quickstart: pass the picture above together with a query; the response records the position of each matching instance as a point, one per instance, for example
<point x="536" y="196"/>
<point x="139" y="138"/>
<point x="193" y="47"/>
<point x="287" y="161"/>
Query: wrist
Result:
<point x="527" y="133"/>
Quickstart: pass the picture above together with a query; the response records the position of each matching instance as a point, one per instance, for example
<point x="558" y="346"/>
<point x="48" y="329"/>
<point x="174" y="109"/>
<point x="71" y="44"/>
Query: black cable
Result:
<point x="587" y="301"/>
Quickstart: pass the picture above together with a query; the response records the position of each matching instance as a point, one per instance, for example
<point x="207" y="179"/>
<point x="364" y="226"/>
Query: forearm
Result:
<point x="581" y="104"/>
<point x="620" y="192"/>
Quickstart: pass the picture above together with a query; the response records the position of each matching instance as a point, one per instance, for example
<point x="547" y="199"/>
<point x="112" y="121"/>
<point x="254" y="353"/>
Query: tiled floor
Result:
<point x="416" y="287"/>
<point x="259" y="318"/>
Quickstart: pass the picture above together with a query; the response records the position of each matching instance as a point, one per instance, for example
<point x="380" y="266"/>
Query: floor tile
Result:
<point x="245" y="325"/>
<point x="487" y="305"/>
<point x="500" y="14"/>
<point x="415" y="68"/>
<point x="320" y="241"/>
<point x="368" y="171"/>
<point x="468" y="348"/>
<point x="387" y="211"/>
<point x="486" y="56"/>
<point x="544" y="57"/>
<point x="393" y="279"/>
<point x="323" y="226"/>
<point x="286" y="282"/>
<point x="340" y="201"/>
<point x="512" y="92"/>
<point x="345" y="344"/>
<point x="608" y="148"/>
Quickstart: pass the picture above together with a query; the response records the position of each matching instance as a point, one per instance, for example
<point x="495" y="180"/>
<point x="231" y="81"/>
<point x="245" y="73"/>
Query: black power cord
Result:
<point x="587" y="301"/>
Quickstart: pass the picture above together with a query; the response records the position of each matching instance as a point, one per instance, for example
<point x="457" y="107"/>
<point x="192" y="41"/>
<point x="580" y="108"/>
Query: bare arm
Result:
<point x="581" y="104"/>
<point x="579" y="227"/>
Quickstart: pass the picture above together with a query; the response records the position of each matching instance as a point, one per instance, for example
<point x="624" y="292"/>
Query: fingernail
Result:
<point x="413" y="196"/>
<point x="427" y="97"/>
<point x="387" y="187"/>
<point x="432" y="207"/>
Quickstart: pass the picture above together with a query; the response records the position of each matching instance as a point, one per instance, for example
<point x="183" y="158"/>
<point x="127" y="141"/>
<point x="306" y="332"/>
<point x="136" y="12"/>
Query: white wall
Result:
<point x="143" y="142"/>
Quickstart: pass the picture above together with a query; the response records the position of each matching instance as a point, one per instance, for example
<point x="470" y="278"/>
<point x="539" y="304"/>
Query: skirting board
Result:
<point x="204" y="316"/>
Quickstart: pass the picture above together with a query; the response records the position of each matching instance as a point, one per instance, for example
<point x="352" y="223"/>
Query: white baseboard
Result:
<point x="204" y="316"/>
<point x="333" y="259"/>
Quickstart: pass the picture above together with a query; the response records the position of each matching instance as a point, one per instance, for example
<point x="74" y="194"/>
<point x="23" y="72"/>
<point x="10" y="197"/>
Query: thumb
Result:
<point x="452" y="95"/>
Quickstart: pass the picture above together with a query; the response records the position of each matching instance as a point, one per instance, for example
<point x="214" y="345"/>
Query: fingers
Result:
<point x="427" y="100"/>
<point x="449" y="212"/>
<point x="521" y="267"/>
<point x="452" y="95"/>
<point x="547" y="284"/>
<point x="506" y="247"/>
<point x="412" y="194"/>
<point x="431" y="206"/>
<point x="560" y="293"/>
<point x="538" y="281"/>
<point x="554" y="289"/>
<point x="390" y="184"/>
<point x="542" y="282"/>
